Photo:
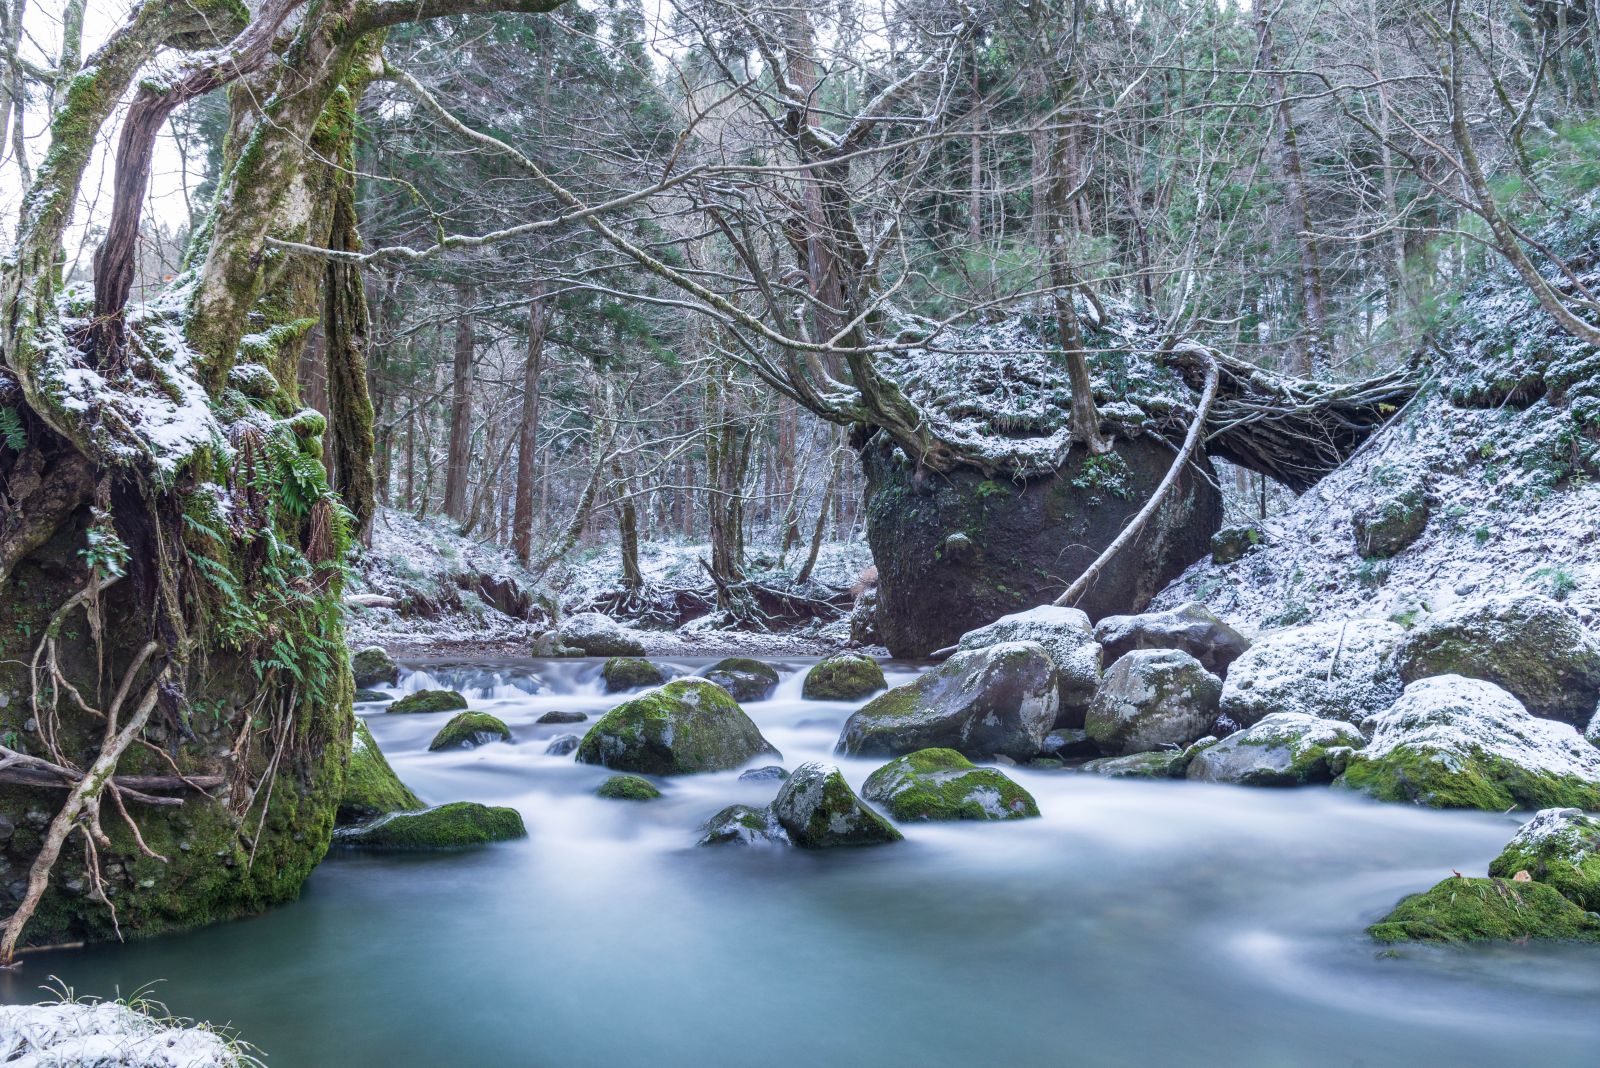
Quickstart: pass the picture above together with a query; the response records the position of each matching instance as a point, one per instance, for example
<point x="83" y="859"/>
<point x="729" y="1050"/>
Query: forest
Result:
<point x="458" y="457"/>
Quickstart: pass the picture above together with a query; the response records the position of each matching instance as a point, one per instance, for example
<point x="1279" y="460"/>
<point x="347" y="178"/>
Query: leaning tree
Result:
<point x="174" y="691"/>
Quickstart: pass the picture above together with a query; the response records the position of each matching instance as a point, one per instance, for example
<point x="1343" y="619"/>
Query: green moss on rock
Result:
<point x="1483" y="910"/>
<point x="844" y="677"/>
<point x="470" y="729"/>
<point x="941" y="784"/>
<point x="1559" y="847"/>
<point x="373" y="666"/>
<point x="819" y="811"/>
<point x="742" y="825"/>
<point x="363" y="696"/>
<point x="630" y="673"/>
<point x="371" y="788"/>
<point x="628" y="788"/>
<point x="744" y="678"/>
<point x="453" y="826"/>
<point x="687" y="726"/>
<point x="429" y="701"/>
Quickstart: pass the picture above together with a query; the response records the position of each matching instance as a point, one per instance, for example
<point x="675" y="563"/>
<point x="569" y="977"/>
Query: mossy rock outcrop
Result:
<point x="371" y="788"/>
<point x="1561" y="848"/>
<point x="745" y="679"/>
<point x="1231" y="543"/>
<point x="1527" y="644"/>
<point x="1453" y="742"/>
<point x="957" y="551"/>
<point x="1066" y="635"/>
<point x="1345" y="670"/>
<point x="1392" y="519"/>
<point x="627" y="788"/>
<point x="371" y="696"/>
<point x="1283" y="749"/>
<point x="454" y="826"/>
<point x="818" y="810"/>
<point x="743" y="825"/>
<point x="941" y="784"/>
<point x="468" y="731"/>
<point x="1152" y="699"/>
<point x="1159" y="764"/>
<point x="687" y="726"/>
<point x="630" y="673"/>
<point x="1460" y="909"/>
<point x="428" y="701"/>
<point x="373" y="666"/>
<point x="999" y="700"/>
<point x="843" y="677"/>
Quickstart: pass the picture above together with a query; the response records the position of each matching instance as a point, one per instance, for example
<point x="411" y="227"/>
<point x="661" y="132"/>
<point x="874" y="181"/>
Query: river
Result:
<point x="1134" y="924"/>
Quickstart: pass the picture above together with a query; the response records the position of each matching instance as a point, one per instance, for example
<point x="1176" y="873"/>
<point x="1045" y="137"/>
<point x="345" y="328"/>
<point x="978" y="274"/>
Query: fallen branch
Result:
<point x="1191" y="441"/>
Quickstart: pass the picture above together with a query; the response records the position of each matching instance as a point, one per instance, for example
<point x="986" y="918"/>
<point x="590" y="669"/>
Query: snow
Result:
<point x="1462" y="718"/>
<point x="1564" y="825"/>
<point x="1345" y="671"/>
<point x="106" y="1035"/>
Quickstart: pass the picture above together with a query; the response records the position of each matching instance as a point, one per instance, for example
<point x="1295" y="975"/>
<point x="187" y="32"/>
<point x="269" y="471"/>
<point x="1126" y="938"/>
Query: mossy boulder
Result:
<point x="1160" y="764"/>
<point x="453" y="826"/>
<point x="1283" y="749"/>
<point x="818" y="810"/>
<point x="1192" y="627"/>
<point x="371" y="788"/>
<point x="1561" y="848"/>
<point x="1460" y="909"/>
<point x="746" y="679"/>
<point x="1526" y="643"/>
<point x="843" y="677"/>
<point x="429" y="701"/>
<point x="1152" y="699"/>
<point x="687" y="726"/>
<point x="562" y="716"/>
<point x="1345" y="670"/>
<point x="941" y="784"/>
<point x="468" y="731"/>
<point x="1453" y="742"/>
<point x="373" y="666"/>
<point x="630" y="673"/>
<point x="743" y="825"/>
<point x="598" y="635"/>
<point x="628" y="788"/>
<point x="1066" y="635"/>
<point x="999" y="700"/>
<point x="1393" y="518"/>
<point x="1231" y="543"/>
<point x="368" y="696"/>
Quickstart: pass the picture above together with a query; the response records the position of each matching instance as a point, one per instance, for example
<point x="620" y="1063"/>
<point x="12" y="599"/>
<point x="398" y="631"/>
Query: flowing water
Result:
<point x="1135" y="923"/>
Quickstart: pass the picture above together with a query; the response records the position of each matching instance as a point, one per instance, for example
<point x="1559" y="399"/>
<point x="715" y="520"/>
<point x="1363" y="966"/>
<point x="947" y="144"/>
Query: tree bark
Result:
<point x="528" y="426"/>
<point x="458" y="456"/>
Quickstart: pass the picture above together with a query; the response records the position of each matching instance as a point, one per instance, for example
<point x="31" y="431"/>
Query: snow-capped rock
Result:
<point x="1345" y="671"/>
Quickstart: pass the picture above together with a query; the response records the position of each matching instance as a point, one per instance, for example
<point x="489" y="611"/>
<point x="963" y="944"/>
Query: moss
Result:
<point x="941" y="784"/>
<point x="1481" y="781"/>
<point x="628" y="788"/>
<point x="687" y="726"/>
<point x="371" y="788"/>
<point x="1482" y="910"/>
<point x="1162" y="764"/>
<point x="429" y="701"/>
<point x="744" y="678"/>
<point x="373" y="666"/>
<point x="453" y="826"/>
<point x="820" y="811"/>
<point x="845" y="677"/>
<point x="371" y="695"/>
<point x="630" y="673"/>
<point x="1568" y="860"/>
<point x="740" y="825"/>
<point x="469" y="729"/>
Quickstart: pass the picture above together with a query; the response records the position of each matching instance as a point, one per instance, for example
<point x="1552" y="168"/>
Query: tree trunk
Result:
<point x="528" y="425"/>
<point x="459" y="455"/>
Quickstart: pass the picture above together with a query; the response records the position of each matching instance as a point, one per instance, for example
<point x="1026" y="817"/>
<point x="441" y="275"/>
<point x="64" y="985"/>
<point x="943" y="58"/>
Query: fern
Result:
<point x="12" y="432"/>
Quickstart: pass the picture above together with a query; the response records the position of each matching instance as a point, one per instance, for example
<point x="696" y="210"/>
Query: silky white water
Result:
<point x="1135" y="923"/>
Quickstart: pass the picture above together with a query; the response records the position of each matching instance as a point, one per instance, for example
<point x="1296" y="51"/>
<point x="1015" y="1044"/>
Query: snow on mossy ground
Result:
<point x="113" y="1034"/>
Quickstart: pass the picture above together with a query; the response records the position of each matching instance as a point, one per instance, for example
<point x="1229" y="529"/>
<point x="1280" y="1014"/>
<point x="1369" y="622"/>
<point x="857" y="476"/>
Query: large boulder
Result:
<point x="1393" y="518"/>
<point x="818" y="810"/>
<point x="1560" y="847"/>
<point x="1000" y="700"/>
<point x="468" y="730"/>
<point x="1281" y="749"/>
<point x="373" y="666"/>
<point x="1526" y="643"/>
<point x="843" y="677"/>
<point x="1453" y="742"/>
<point x="453" y="826"/>
<point x="371" y="788"/>
<point x="630" y="673"/>
<point x="598" y="635"/>
<point x="687" y="726"/>
<point x="428" y="701"/>
<point x="1343" y="670"/>
<point x="1152" y="699"/>
<point x="1065" y="635"/>
<point x="743" y="825"/>
<point x="961" y="548"/>
<point x="941" y="784"/>
<point x="1486" y="910"/>
<point x="744" y="678"/>
<point x="1192" y="627"/>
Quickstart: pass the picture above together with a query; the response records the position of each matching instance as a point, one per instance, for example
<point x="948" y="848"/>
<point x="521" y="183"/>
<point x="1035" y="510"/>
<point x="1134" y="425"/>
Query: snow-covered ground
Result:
<point x="110" y="1034"/>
